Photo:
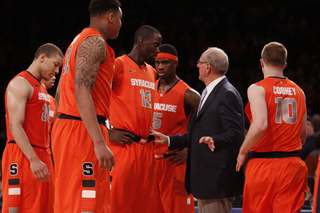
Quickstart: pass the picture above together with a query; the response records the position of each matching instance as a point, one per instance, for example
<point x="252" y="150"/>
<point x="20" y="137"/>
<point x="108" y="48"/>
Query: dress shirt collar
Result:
<point x="210" y="87"/>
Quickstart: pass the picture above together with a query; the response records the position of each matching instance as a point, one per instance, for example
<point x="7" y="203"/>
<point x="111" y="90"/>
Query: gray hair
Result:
<point x="218" y="59"/>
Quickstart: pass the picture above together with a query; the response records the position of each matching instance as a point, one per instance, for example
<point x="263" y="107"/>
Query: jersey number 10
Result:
<point x="288" y="114"/>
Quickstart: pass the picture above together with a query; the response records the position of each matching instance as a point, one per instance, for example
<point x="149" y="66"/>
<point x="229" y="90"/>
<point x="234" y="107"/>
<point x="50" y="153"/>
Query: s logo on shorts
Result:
<point x="13" y="169"/>
<point x="87" y="169"/>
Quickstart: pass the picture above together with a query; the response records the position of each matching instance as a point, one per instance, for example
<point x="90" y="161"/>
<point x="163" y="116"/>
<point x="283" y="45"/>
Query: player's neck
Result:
<point x="34" y="70"/>
<point x="167" y="83"/>
<point x="134" y="54"/>
<point x="272" y="71"/>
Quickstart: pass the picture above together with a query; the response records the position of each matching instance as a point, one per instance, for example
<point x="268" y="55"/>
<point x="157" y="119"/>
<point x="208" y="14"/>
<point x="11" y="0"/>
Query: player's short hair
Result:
<point x="218" y="59"/>
<point x="274" y="54"/>
<point x="167" y="48"/>
<point x="100" y="7"/>
<point x="146" y="32"/>
<point x="50" y="50"/>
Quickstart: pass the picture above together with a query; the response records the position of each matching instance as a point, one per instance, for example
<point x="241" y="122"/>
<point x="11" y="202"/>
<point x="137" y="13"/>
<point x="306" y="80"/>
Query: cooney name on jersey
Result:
<point x="284" y="90"/>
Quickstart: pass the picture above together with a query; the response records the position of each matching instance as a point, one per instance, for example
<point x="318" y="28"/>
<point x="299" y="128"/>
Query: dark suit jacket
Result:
<point x="212" y="175"/>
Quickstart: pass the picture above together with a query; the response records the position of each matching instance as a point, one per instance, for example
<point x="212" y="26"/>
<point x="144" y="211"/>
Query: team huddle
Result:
<point x="164" y="145"/>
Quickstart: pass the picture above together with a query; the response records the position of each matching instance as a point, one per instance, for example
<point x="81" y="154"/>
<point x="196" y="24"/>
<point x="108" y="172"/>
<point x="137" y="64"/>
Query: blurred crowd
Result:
<point x="241" y="28"/>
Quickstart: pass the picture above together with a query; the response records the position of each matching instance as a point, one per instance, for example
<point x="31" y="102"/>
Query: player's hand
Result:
<point x="240" y="161"/>
<point x="209" y="141"/>
<point x="178" y="157"/>
<point x="39" y="170"/>
<point x="105" y="156"/>
<point x="162" y="139"/>
<point x="120" y="137"/>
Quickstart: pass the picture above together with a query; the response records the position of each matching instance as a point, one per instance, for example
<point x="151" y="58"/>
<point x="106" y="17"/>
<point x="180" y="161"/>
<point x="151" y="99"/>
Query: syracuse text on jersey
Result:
<point x="43" y="96"/>
<point x="142" y="83"/>
<point x="165" y="107"/>
<point x="284" y="90"/>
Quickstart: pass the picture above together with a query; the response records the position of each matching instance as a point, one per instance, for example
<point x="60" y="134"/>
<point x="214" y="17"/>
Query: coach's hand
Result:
<point x="39" y="169"/>
<point x="104" y="155"/>
<point x="120" y="137"/>
<point x="162" y="139"/>
<point x="209" y="141"/>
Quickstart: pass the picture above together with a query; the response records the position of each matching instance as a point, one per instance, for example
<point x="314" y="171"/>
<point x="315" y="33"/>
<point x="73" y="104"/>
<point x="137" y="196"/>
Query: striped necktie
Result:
<point x="204" y="92"/>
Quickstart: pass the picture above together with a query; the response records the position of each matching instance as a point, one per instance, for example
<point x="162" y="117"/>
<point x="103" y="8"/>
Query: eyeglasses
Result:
<point x="203" y="62"/>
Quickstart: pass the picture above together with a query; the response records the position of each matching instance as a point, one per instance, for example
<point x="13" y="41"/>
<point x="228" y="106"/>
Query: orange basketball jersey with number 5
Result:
<point x="286" y="107"/>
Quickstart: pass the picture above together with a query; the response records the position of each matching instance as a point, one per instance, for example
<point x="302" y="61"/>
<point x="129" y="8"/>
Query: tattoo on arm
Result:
<point x="91" y="53"/>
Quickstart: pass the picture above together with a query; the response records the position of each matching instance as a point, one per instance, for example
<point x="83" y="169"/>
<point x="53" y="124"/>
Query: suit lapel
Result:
<point x="212" y="96"/>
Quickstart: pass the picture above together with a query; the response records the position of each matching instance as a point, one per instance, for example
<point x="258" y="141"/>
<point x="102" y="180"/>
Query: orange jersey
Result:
<point x="132" y="105"/>
<point x="286" y="107"/>
<point x="101" y="91"/>
<point x="36" y="120"/>
<point x="169" y="115"/>
<point x="53" y="110"/>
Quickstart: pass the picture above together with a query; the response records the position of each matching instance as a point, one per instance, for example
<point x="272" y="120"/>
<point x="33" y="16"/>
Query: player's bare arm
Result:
<point x="91" y="53"/>
<point x="191" y="101"/>
<point x="18" y="93"/>
<point x="259" y="111"/>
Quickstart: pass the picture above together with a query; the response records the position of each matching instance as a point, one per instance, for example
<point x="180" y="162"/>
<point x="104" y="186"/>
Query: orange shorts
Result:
<point x="19" y="186"/>
<point x="80" y="185"/>
<point x="316" y="200"/>
<point x="172" y="195"/>
<point x="133" y="185"/>
<point x="275" y="185"/>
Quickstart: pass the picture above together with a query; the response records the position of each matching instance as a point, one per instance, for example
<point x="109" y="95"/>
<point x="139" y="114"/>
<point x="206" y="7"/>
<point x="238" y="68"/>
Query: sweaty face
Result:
<point x="50" y="66"/>
<point x="165" y="67"/>
<point x="151" y="48"/>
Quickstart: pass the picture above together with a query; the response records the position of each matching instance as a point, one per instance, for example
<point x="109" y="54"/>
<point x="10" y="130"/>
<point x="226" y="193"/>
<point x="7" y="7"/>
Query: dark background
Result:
<point x="241" y="28"/>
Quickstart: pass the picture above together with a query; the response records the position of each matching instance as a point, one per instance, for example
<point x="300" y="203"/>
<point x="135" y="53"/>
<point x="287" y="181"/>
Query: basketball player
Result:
<point x="133" y="186"/>
<point x="175" y="101"/>
<point x="276" y="177"/>
<point x="26" y="162"/>
<point x="79" y="136"/>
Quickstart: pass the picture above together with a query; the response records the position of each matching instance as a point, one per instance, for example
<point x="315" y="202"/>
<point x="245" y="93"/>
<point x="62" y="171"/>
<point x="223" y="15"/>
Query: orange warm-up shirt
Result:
<point x="132" y="96"/>
<point x="169" y="115"/>
<point x="101" y="91"/>
<point x="36" y="121"/>
<point x="286" y="107"/>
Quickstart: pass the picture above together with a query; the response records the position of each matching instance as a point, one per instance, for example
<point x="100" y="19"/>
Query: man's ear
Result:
<point x="284" y="66"/>
<point x="42" y="57"/>
<point x="261" y="63"/>
<point x="110" y="17"/>
<point x="141" y="42"/>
